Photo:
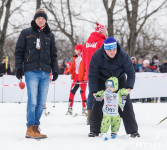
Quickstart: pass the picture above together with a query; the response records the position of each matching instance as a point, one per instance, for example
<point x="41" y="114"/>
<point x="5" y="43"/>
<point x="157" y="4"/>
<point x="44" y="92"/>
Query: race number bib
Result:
<point x="110" y="106"/>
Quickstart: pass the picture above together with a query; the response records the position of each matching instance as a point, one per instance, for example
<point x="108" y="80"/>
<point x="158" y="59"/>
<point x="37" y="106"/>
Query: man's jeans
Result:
<point x="37" y="83"/>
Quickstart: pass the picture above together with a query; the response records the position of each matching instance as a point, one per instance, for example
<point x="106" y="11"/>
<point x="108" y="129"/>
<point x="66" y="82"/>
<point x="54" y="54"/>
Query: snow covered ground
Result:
<point x="71" y="133"/>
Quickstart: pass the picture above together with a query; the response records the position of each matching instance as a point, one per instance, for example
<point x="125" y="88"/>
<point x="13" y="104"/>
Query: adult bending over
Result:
<point x="111" y="60"/>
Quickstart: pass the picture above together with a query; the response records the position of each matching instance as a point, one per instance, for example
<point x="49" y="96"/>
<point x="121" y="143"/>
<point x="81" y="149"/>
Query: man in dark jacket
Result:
<point x="37" y="54"/>
<point x="111" y="60"/>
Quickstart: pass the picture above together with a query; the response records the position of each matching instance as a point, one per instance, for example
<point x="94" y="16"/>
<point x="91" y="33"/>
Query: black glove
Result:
<point x="55" y="76"/>
<point x="19" y="73"/>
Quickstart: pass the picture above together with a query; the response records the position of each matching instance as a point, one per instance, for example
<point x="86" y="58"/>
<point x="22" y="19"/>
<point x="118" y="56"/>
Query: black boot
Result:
<point x="135" y="134"/>
<point x="93" y="134"/>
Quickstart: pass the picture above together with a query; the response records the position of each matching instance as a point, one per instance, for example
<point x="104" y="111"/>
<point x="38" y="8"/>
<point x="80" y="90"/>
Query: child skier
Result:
<point x="112" y="102"/>
<point x="77" y="71"/>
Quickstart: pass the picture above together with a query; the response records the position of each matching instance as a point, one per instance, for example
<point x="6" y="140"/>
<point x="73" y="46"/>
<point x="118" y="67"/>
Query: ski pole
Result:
<point x="54" y="97"/>
<point x="22" y="96"/>
<point x="2" y="86"/>
<point x="162" y="120"/>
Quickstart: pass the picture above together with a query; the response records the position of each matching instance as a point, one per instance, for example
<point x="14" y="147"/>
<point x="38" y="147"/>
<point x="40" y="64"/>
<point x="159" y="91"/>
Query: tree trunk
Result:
<point x="6" y="15"/>
<point x="109" y="11"/>
<point x="132" y="44"/>
<point x="1" y="49"/>
<point x="110" y="25"/>
<point x="38" y="4"/>
<point x="133" y="20"/>
<point x="67" y="28"/>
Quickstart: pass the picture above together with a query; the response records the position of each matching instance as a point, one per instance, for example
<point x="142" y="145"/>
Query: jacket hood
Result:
<point x="95" y="36"/>
<point x="115" y="81"/>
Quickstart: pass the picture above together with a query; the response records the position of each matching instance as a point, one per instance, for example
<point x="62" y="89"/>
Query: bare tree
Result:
<point x="9" y="47"/>
<point x="121" y="34"/>
<point x="110" y="14"/>
<point x="64" y="49"/>
<point x="63" y="20"/>
<point x="136" y="21"/>
<point x="39" y="2"/>
<point x="63" y="26"/>
<point x="4" y="12"/>
<point x="150" y="43"/>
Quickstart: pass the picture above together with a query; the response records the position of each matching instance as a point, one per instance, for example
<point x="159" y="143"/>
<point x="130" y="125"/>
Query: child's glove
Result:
<point x="100" y="93"/>
<point x="124" y="91"/>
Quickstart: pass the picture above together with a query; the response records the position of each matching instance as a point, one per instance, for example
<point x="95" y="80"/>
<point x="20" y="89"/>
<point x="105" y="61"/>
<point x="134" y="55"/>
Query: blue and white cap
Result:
<point x="110" y="43"/>
<point x="110" y="83"/>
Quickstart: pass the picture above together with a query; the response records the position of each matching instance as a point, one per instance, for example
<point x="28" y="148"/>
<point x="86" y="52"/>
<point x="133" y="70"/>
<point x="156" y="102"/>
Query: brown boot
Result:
<point x="36" y="128"/>
<point x="89" y="116"/>
<point x="32" y="134"/>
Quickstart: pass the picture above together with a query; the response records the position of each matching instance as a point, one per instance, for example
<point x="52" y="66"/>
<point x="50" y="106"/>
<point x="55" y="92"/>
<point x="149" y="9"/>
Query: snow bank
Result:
<point x="71" y="133"/>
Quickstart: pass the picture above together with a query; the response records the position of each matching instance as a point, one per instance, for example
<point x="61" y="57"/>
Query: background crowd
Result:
<point x="156" y="65"/>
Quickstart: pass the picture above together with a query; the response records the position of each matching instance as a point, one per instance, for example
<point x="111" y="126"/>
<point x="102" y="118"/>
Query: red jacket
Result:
<point x="82" y="72"/>
<point x="71" y="70"/>
<point x="94" y="42"/>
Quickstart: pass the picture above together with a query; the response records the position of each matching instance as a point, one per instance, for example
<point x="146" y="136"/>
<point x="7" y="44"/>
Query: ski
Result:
<point x="45" y="112"/>
<point x="76" y="114"/>
<point x="162" y="120"/>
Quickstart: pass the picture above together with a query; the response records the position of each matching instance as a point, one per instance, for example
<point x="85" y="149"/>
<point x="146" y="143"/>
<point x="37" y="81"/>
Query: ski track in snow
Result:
<point x="71" y="133"/>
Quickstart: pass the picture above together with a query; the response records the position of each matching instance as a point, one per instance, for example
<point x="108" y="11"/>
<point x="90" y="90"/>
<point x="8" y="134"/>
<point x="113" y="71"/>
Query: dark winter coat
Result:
<point x="163" y="68"/>
<point x="26" y="54"/>
<point x="102" y="67"/>
<point x="135" y="66"/>
<point x="3" y="69"/>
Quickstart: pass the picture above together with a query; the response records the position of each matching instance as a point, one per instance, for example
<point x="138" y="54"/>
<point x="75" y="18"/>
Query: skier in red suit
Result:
<point x="94" y="42"/>
<point x="77" y="72"/>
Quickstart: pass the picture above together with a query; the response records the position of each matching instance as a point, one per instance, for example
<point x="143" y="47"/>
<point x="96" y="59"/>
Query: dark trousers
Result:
<point x="128" y="113"/>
